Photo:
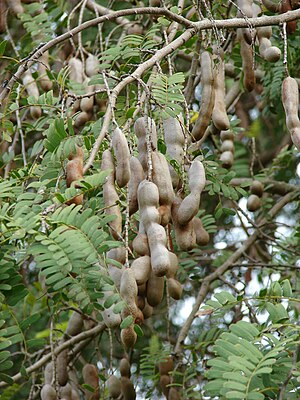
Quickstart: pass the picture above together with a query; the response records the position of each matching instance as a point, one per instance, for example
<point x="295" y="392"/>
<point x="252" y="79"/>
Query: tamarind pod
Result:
<point x="92" y="65"/>
<point x="90" y="377"/>
<point x="75" y="395"/>
<point x="227" y="145"/>
<point x="66" y="392"/>
<point x="124" y="368"/>
<point x="118" y="254"/>
<point x="257" y="188"/>
<point x="136" y="177"/>
<point x="157" y="239"/>
<point x="142" y="289"/>
<point x="162" y="178"/>
<point x="135" y="29"/>
<point x="147" y="311"/>
<point x="87" y="103"/>
<point x="110" y="195"/>
<point x="155" y="289"/>
<point x="15" y="6"/>
<point x="247" y="62"/>
<point x="75" y="70"/>
<point x="129" y="291"/>
<point x="226" y="159"/>
<point x="111" y="319"/>
<point x="291" y="26"/>
<point x="245" y="10"/>
<point x="114" y="387"/>
<point x="74" y="172"/>
<point x="62" y="367"/>
<point x="253" y="203"/>
<point x="184" y="234"/>
<point x="166" y="366"/>
<point x="140" y="302"/>
<point x="122" y="154"/>
<point x="202" y="236"/>
<point x="207" y="96"/>
<point x="267" y="51"/>
<point x="48" y="373"/>
<point x="2" y="16"/>
<point x="141" y="268"/>
<point x="32" y="90"/>
<point x="190" y="204"/>
<point x="135" y="312"/>
<point x="140" y="242"/>
<point x="128" y="337"/>
<point x="143" y="127"/>
<point x="81" y="119"/>
<point x="174" y="139"/>
<point x="173" y="394"/>
<point x="290" y="101"/>
<point x="219" y="114"/>
<point x="43" y="65"/>
<point x="148" y="195"/>
<point x="48" y="393"/>
<point x="165" y="214"/>
<point x="164" y="381"/>
<point x="264" y="32"/>
<point x="75" y="324"/>
<point x="273" y="6"/>
<point x="128" y="391"/>
<point x="226" y="135"/>
<point x="174" y="288"/>
<point x="173" y="268"/>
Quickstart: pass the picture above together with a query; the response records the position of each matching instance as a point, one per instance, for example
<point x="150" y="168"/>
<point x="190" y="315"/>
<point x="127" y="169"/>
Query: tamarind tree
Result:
<point x="149" y="199"/>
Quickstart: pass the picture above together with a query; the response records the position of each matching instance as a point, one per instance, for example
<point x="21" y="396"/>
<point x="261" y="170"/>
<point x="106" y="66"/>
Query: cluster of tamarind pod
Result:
<point x="254" y="200"/>
<point x="227" y="149"/>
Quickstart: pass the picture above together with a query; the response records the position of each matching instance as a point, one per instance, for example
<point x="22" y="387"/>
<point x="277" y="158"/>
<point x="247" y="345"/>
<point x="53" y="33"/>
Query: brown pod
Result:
<point x="185" y="235"/>
<point x="227" y="135"/>
<point x="62" y="367"/>
<point x="147" y="311"/>
<point x="129" y="289"/>
<point x="174" y="288"/>
<point x="32" y="90"/>
<point x="2" y="16"/>
<point x="75" y="324"/>
<point x="111" y="319"/>
<point x="165" y="214"/>
<point x="157" y="239"/>
<point x="114" y="387"/>
<point x="164" y="381"/>
<point x="81" y="119"/>
<point x="90" y="377"/>
<point x="66" y="392"/>
<point x="273" y="6"/>
<point x="140" y="242"/>
<point x="76" y="70"/>
<point x="247" y="62"/>
<point x="48" y="393"/>
<point x="122" y="155"/>
<point x="286" y="6"/>
<point x="128" y="391"/>
<point x="75" y="395"/>
<point x="15" y="6"/>
<point x="173" y="265"/>
<point x="92" y="65"/>
<point x="136" y="177"/>
<point x="135" y="29"/>
<point x="117" y="254"/>
<point x="257" y="188"/>
<point x="290" y="102"/>
<point x="227" y="159"/>
<point x="155" y="289"/>
<point x="267" y="51"/>
<point x="48" y="373"/>
<point x="74" y="172"/>
<point x="253" y="202"/>
<point x="207" y="96"/>
<point x="128" y="337"/>
<point x="124" y="368"/>
<point x="110" y="195"/>
<point x="144" y="127"/>
<point x="43" y="65"/>
<point x="202" y="236"/>
<point x="227" y="145"/>
<point x="141" y="302"/>
<point x="87" y="103"/>
<point x="141" y="268"/>
<point x="173" y="394"/>
<point x="166" y="366"/>
<point x="245" y="9"/>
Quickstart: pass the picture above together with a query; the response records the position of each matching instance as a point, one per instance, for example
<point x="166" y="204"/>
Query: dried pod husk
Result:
<point x="147" y="311"/>
<point x="227" y="145"/>
<point x="128" y="337"/>
<point x="32" y="90"/>
<point x="226" y="159"/>
<point x="164" y="381"/>
<point x="207" y="96"/>
<point x="184" y="234"/>
<point x="136" y="176"/>
<point x="202" y="236"/>
<point x="128" y="391"/>
<point x="48" y="393"/>
<point x="75" y="324"/>
<point x="92" y="65"/>
<point x="141" y="268"/>
<point x="114" y="387"/>
<point x="111" y="196"/>
<point x="173" y="265"/>
<point x="155" y="289"/>
<point x="66" y="392"/>
<point x="124" y="368"/>
<point x="219" y="114"/>
<point x="174" y="288"/>
<point x="247" y="62"/>
<point x="174" y="139"/>
<point x="290" y="101"/>
<point x="90" y="377"/>
<point x="48" y="373"/>
<point x="122" y="154"/>
<point x="62" y="367"/>
<point x="15" y="6"/>
<point x="190" y="204"/>
<point x="144" y="126"/>
<point x="140" y="243"/>
<point x="166" y="366"/>
<point x="257" y="188"/>
<point x="253" y="202"/>
<point x="43" y="65"/>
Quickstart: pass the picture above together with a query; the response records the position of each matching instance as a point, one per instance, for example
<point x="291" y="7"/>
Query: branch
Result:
<point x="75" y="339"/>
<point x="205" y="286"/>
